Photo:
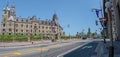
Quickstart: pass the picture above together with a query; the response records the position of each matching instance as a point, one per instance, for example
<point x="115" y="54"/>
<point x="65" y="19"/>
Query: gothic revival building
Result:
<point x="32" y="25"/>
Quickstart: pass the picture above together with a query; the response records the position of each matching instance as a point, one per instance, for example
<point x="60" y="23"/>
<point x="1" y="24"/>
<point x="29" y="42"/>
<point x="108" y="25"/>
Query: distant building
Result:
<point x="10" y="24"/>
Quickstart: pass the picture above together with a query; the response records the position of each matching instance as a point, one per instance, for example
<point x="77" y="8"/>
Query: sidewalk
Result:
<point x="14" y="44"/>
<point x="102" y="49"/>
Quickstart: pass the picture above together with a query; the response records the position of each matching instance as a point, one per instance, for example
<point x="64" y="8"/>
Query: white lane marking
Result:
<point x="87" y="47"/>
<point x="90" y="46"/>
<point x="84" y="47"/>
<point x="61" y="55"/>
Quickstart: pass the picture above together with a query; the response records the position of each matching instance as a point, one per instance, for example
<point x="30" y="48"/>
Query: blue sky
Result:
<point x="77" y="13"/>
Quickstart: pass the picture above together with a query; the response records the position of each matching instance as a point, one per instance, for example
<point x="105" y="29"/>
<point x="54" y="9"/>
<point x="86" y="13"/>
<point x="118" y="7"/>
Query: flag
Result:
<point x="55" y="23"/>
<point x="97" y="12"/>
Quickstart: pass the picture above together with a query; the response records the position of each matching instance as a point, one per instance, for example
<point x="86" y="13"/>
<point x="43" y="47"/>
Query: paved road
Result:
<point x="50" y="50"/>
<point x="85" y="51"/>
<point x="54" y="52"/>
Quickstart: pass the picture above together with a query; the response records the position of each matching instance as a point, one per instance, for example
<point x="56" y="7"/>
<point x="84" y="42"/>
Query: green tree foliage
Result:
<point x="19" y="38"/>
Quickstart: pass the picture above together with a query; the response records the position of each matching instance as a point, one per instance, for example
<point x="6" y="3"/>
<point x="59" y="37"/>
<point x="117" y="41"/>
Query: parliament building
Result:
<point x="12" y="25"/>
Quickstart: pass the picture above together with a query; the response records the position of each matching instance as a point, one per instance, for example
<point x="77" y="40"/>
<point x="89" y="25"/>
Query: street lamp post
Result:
<point x="111" y="47"/>
<point x="102" y="21"/>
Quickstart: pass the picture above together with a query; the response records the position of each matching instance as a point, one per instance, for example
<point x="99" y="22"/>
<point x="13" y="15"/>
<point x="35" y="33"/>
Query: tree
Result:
<point x="89" y="33"/>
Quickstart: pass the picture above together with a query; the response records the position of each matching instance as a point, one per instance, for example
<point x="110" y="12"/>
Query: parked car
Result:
<point x="84" y="38"/>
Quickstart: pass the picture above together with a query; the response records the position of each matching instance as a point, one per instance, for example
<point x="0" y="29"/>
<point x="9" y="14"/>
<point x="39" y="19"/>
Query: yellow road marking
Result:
<point x="42" y="49"/>
<point x="17" y="53"/>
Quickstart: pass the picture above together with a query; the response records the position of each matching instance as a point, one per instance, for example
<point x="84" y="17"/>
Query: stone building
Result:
<point x="10" y="24"/>
<point x="115" y="16"/>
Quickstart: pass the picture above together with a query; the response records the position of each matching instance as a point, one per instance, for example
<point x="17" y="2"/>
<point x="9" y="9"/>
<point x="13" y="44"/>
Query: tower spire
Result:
<point x="55" y="17"/>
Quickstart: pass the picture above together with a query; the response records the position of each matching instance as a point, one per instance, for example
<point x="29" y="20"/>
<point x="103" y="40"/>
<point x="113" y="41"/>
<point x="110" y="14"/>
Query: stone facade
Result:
<point x="116" y="13"/>
<point x="32" y="25"/>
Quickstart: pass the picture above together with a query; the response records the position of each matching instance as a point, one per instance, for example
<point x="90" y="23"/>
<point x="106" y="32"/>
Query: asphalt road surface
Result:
<point x="85" y="51"/>
<point x="52" y="50"/>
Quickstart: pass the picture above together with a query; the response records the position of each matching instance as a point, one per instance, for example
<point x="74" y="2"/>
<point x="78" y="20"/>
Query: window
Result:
<point x="3" y="29"/>
<point x="26" y="30"/>
<point x="39" y="30"/>
<point x="31" y="26"/>
<point x="21" y="25"/>
<point x="3" y="25"/>
<point x="22" y="20"/>
<point x="21" y="34"/>
<point x="16" y="30"/>
<point x="17" y="20"/>
<point x="43" y="31"/>
<point x="9" y="33"/>
<point x="42" y="27"/>
<point x="118" y="11"/>
<point x="39" y="26"/>
<point x="31" y="30"/>
<point x="49" y="27"/>
<point x="35" y="27"/>
<point x="2" y="33"/>
<point x="21" y="30"/>
<point x="10" y="29"/>
<point x="26" y="26"/>
<point x="46" y="27"/>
